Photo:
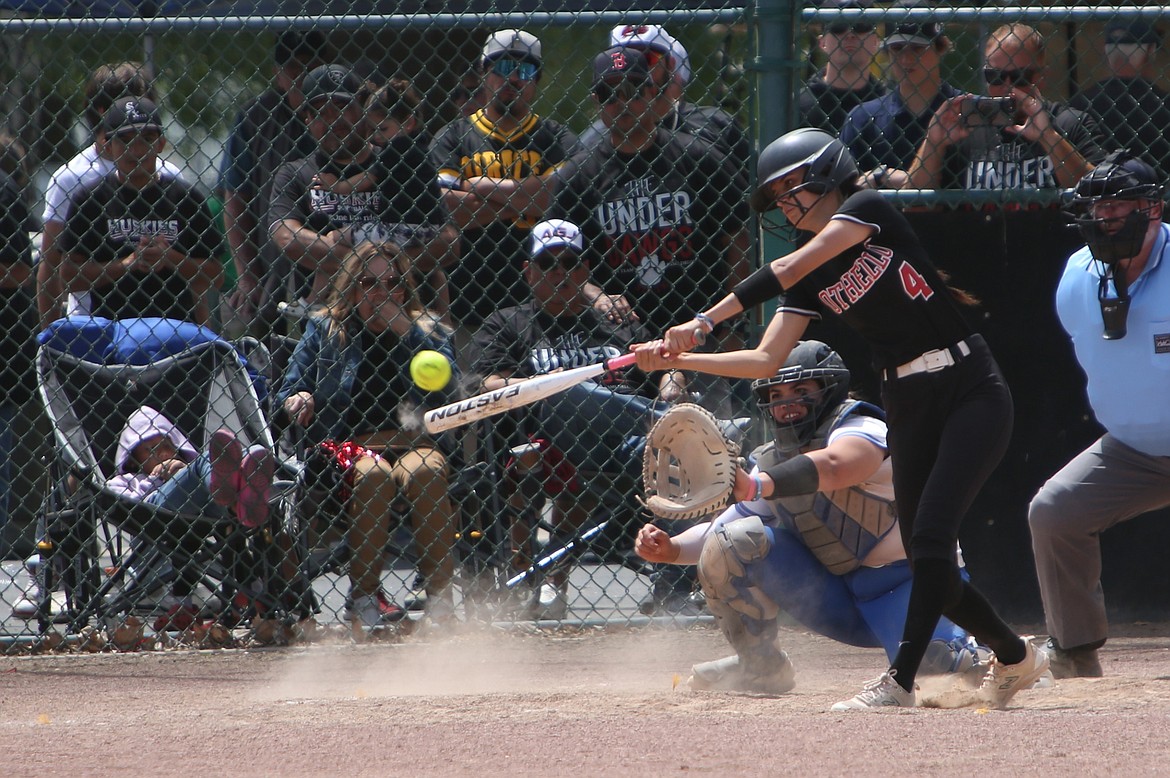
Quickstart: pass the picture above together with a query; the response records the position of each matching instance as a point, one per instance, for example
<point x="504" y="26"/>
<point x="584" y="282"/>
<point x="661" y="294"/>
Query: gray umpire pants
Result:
<point x="1104" y="485"/>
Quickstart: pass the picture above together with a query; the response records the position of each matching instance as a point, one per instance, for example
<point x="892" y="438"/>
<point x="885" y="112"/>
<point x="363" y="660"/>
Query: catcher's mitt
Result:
<point x="688" y="467"/>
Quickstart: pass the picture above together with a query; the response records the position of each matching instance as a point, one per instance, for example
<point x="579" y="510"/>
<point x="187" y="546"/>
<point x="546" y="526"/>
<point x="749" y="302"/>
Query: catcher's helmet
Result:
<point x="828" y="160"/>
<point x="809" y="360"/>
<point x="1121" y="176"/>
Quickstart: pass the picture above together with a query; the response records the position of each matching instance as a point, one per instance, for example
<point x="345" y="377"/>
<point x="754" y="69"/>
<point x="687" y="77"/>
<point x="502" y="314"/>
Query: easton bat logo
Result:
<point x="479" y="401"/>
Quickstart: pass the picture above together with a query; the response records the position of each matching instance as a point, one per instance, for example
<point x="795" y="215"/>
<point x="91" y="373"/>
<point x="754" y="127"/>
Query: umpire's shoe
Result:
<point x="1078" y="662"/>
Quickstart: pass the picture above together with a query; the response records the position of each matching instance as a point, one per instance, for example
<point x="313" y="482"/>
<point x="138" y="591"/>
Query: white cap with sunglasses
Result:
<point x="511" y="44"/>
<point x="556" y="234"/>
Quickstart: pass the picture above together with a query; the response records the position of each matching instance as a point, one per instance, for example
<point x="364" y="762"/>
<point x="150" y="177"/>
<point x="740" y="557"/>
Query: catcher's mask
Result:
<point x="827" y="162"/>
<point x="809" y="360"/>
<point x="1121" y="176"/>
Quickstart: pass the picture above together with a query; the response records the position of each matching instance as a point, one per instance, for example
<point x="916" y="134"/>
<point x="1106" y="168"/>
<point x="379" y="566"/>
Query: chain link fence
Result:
<point x="236" y="232"/>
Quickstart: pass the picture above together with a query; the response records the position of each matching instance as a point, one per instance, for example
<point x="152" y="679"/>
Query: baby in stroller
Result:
<point x="157" y="464"/>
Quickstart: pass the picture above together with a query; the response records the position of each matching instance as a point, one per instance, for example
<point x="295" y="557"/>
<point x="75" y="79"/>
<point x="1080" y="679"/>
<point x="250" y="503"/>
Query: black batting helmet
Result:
<point x="809" y="360"/>
<point x="1121" y="176"/>
<point x="829" y="163"/>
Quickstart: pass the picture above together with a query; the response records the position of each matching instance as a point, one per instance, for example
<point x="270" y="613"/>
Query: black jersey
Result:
<point x="826" y="107"/>
<point x="108" y="222"/>
<point x="885" y="288"/>
<point x="488" y="274"/>
<point x="655" y="221"/>
<point x="528" y="341"/>
<point x="403" y="206"/>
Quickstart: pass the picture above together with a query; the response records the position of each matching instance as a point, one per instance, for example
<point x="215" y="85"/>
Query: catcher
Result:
<point x="814" y="531"/>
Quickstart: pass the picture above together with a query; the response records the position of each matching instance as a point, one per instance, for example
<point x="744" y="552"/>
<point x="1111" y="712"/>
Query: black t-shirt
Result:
<point x="403" y="207"/>
<point x="1134" y="114"/>
<point x="488" y="274"/>
<point x="655" y="221"/>
<point x="17" y="313"/>
<point x="381" y="383"/>
<point x="108" y="222"/>
<point x="525" y="341"/>
<point x="886" y="288"/>
<point x="826" y="107"/>
<point x="991" y="158"/>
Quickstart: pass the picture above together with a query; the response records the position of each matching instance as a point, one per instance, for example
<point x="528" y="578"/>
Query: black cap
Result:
<point x="332" y="82"/>
<point x="309" y="47"/>
<point x="920" y="33"/>
<point x="621" y="62"/>
<point x="131" y="114"/>
<point x="1132" y="31"/>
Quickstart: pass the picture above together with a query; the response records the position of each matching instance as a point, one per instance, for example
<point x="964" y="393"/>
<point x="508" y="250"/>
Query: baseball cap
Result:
<point x="131" y="114"/>
<point x="1132" y="31"/>
<point x="556" y="233"/>
<point x="511" y="43"/>
<point x="655" y="38"/>
<point x="914" y="33"/>
<point x="332" y="82"/>
<point x="620" y="62"/>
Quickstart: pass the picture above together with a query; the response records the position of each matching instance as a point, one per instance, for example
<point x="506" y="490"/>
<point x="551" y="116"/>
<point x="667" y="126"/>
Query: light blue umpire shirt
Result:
<point x="1129" y="378"/>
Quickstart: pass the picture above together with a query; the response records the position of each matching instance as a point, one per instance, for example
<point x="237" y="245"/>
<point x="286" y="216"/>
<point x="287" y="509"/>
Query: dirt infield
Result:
<point x="590" y="703"/>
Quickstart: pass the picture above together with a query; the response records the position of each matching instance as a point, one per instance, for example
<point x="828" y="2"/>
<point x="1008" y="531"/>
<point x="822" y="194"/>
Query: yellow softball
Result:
<point x="430" y="370"/>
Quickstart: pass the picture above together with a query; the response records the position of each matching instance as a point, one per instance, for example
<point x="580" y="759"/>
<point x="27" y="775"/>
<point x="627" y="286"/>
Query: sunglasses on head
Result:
<point x="504" y="68"/>
<point x="999" y="76"/>
<point x="859" y="28"/>
<point x="370" y="283"/>
<point x="623" y="91"/>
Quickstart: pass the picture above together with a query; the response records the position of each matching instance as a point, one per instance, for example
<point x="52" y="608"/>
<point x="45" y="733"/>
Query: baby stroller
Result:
<point x="105" y="550"/>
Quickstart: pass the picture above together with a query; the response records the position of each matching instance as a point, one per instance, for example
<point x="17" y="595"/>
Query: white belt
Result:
<point x="931" y="361"/>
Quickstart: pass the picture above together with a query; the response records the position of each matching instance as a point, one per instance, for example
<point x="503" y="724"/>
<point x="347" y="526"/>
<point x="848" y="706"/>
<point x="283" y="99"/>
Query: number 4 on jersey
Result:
<point x="913" y="282"/>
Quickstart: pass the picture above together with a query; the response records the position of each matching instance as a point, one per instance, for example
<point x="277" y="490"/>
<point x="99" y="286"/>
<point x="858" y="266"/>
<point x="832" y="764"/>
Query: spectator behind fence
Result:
<point x="1114" y="301"/>
<point x="396" y="109"/>
<point x="137" y="244"/>
<point x="268" y="132"/>
<point x="349" y="191"/>
<point x="884" y="134"/>
<point x="349" y="384"/>
<point x="847" y="80"/>
<point x="828" y="553"/>
<point x="582" y="433"/>
<point x="17" y="312"/>
<point x="1129" y="107"/>
<point x="501" y="142"/>
<point x="155" y="463"/>
<point x="670" y="68"/>
<point x="1032" y="144"/>
<point x="76" y="177"/>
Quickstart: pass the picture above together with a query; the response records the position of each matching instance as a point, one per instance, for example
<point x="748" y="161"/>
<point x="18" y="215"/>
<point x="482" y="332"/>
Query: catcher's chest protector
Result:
<point x="841" y="526"/>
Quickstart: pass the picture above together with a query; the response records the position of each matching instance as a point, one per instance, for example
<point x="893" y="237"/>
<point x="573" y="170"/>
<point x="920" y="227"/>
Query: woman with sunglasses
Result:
<point x="348" y="384"/>
<point x="948" y="408"/>
<point x="1027" y="143"/>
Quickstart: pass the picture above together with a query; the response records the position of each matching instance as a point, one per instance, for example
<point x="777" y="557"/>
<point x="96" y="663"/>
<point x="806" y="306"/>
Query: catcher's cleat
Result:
<point x="882" y="693"/>
<point x="728" y="675"/>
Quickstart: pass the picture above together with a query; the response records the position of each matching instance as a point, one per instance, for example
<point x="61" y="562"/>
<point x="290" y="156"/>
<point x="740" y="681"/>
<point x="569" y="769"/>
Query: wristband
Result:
<point x="758" y="288"/>
<point x="794" y="476"/>
<point x="706" y="322"/>
<point x="757" y="487"/>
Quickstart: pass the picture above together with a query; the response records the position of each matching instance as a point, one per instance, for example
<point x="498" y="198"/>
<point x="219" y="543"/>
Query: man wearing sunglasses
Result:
<point x="479" y="157"/>
<point x="883" y="134"/>
<point x="1129" y="106"/>
<point x="846" y="81"/>
<point x="1033" y="145"/>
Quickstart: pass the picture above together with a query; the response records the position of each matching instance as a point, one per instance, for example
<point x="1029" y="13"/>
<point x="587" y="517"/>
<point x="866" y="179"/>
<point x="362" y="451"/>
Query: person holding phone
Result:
<point x="1022" y="143"/>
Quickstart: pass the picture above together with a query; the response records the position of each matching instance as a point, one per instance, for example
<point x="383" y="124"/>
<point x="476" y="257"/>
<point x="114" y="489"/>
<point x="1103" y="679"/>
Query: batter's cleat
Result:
<point x="1071" y="662"/>
<point x="728" y="675"/>
<point x="882" y="693"/>
<point x="1002" y="682"/>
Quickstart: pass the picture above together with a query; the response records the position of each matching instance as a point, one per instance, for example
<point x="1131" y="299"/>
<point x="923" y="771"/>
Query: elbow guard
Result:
<point x="760" y="287"/>
<point x="793" y="476"/>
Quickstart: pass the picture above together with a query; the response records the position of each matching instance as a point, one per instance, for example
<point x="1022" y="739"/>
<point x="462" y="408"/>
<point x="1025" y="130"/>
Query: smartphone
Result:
<point x="994" y="111"/>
